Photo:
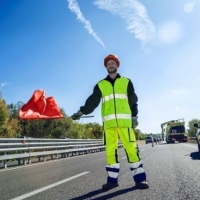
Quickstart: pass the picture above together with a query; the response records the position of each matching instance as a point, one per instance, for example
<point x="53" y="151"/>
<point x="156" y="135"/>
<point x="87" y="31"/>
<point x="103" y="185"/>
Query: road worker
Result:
<point x="119" y="115"/>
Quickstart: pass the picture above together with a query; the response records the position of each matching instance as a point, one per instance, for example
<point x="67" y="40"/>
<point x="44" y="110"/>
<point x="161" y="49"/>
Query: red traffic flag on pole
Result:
<point x="40" y="107"/>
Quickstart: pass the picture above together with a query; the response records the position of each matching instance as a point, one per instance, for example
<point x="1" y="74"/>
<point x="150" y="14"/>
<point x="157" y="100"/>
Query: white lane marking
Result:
<point x="142" y="149"/>
<point x="189" y="146"/>
<point x="48" y="187"/>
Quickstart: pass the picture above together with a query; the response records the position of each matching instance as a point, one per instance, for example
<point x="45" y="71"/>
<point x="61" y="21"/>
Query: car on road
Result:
<point x="198" y="135"/>
<point x="149" y="139"/>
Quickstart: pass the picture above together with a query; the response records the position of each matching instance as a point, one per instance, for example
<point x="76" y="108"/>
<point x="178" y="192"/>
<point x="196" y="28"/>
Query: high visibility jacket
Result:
<point x="115" y="109"/>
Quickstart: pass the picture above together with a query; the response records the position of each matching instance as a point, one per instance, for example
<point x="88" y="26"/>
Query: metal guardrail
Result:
<point x="25" y="149"/>
<point x="192" y="139"/>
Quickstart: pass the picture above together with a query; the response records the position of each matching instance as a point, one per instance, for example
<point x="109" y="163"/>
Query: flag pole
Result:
<point x="87" y="116"/>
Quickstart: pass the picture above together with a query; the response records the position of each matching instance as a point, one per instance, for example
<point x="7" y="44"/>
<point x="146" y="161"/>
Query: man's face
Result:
<point x="111" y="67"/>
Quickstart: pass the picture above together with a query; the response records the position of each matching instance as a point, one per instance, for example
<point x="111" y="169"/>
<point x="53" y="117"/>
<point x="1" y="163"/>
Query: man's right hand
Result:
<point x="77" y="115"/>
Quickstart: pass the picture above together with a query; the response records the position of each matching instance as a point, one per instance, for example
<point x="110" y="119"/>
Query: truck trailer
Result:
<point x="174" y="130"/>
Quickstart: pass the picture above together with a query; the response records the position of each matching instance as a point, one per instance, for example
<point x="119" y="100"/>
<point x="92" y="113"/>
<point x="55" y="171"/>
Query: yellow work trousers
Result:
<point x="127" y="137"/>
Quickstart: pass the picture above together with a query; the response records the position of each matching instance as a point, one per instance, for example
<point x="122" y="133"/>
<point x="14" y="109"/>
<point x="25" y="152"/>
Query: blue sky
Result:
<point x="59" y="46"/>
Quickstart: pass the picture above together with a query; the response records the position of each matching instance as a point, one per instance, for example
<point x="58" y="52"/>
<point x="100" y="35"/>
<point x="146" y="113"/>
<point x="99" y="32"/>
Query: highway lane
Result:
<point x="173" y="173"/>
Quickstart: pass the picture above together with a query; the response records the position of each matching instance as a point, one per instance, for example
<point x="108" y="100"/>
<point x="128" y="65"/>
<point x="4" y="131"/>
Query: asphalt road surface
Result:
<point x="173" y="173"/>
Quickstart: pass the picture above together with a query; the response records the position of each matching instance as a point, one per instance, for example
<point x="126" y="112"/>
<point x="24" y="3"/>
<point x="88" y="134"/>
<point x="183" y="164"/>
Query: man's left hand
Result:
<point x="77" y="115"/>
<point x="135" y="122"/>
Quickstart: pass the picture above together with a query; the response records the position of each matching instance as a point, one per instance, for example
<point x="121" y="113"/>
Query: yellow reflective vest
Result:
<point x="115" y="108"/>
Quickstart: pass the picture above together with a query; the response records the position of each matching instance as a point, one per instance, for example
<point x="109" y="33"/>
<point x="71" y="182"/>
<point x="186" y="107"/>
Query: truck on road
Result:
<point x="174" y="130"/>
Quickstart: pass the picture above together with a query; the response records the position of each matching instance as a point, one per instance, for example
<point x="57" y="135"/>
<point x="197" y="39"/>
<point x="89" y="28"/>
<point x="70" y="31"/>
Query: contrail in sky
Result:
<point x="74" y="7"/>
<point x="135" y="15"/>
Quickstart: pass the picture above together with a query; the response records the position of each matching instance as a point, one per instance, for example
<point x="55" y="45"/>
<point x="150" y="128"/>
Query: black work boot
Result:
<point x="109" y="186"/>
<point x="142" y="185"/>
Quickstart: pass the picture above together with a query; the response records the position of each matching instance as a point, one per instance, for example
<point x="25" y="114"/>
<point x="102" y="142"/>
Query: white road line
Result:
<point x="142" y="149"/>
<point x="48" y="187"/>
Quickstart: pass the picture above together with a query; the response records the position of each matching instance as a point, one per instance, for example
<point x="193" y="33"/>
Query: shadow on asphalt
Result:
<point x="104" y="197"/>
<point x="195" y="155"/>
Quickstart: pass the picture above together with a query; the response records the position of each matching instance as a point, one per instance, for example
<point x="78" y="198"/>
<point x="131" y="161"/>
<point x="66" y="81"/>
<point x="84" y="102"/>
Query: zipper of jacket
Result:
<point x="115" y="103"/>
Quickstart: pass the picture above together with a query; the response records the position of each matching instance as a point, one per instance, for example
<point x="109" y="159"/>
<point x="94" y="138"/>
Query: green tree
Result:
<point x="4" y="117"/>
<point x="192" y="130"/>
<point x="76" y="131"/>
<point x="139" y="135"/>
<point x="47" y="128"/>
<point x="97" y="131"/>
<point x="4" y="113"/>
<point x="93" y="131"/>
<point x="61" y="127"/>
<point x="14" y="109"/>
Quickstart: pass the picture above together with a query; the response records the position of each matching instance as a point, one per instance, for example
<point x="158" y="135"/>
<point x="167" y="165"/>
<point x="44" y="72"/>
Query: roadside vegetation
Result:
<point x="11" y="126"/>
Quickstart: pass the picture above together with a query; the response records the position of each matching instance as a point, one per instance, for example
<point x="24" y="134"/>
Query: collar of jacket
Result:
<point x="112" y="81"/>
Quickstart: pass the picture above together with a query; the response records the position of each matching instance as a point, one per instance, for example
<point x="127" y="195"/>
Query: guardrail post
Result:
<point x="24" y="161"/>
<point x="5" y="163"/>
<point x="44" y="158"/>
<point x="63" y="155"/>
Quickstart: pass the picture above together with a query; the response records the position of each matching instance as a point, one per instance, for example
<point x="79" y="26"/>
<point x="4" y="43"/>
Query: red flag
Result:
<point x="39" y="107"/>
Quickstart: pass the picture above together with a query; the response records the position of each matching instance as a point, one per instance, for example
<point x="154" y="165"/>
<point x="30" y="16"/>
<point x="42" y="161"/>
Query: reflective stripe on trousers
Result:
<point x="113" y="172"/>
<point x="138" y="171"/>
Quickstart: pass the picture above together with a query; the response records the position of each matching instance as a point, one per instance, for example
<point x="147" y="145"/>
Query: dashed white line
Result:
<point x="48" y="187"/>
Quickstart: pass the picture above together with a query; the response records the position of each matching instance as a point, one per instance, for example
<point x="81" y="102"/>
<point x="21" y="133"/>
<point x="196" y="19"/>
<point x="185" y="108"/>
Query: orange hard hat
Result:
<point x="111" y="57"/>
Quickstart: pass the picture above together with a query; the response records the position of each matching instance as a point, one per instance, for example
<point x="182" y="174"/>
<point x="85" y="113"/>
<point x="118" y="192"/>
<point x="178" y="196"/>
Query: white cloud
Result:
<point x="135" y="15"/>
<point x="177" y="108"/>
<point x="74" y="7"/>
<point x="170" y="32"/>
<point x="4" y="84"/>
<point x="180" y="91"/>
<point x="189" y="7"/>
